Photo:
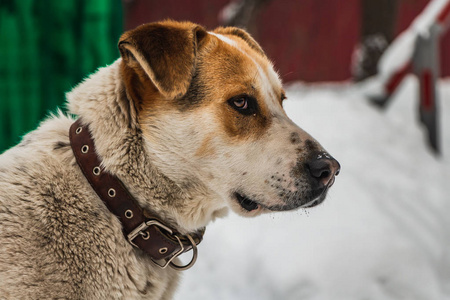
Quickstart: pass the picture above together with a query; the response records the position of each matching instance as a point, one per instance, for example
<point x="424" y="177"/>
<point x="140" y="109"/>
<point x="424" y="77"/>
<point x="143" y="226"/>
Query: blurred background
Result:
<point x="383" y="233"/>
<point x="49" y="46"/>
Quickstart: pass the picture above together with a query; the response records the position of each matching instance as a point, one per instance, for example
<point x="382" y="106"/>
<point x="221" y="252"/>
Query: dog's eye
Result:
<point x="244" y="104"/>
<point x="241" y="103"/>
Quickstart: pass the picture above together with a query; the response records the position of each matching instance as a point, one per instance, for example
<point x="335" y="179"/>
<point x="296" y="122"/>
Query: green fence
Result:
<point x="46" y="48"/>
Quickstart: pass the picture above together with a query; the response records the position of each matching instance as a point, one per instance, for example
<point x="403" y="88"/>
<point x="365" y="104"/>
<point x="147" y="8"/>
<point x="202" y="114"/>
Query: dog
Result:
<point x="191" y="125"/>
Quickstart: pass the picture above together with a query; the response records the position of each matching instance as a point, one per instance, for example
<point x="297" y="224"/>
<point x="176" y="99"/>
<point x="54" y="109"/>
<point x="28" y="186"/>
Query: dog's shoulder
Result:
<point x="58" y="238"/>
<point x="40" y="149"/>
<point x="44" y="211"/>
<point x="37" y="146"/>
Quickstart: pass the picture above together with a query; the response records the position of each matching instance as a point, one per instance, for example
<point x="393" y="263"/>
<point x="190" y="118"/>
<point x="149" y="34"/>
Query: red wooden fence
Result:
<point x="308" y="40"/>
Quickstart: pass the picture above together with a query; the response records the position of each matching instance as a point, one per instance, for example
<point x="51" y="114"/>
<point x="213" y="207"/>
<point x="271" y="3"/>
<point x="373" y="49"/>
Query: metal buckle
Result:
<point x="144" y="225"/>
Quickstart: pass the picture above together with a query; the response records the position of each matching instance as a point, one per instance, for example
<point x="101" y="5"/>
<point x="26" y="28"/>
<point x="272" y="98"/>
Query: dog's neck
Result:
<point x="102" y="102"/>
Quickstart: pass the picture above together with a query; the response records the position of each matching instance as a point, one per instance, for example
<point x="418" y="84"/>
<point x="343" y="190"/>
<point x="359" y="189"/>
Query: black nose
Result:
<point x="323" y="168"/>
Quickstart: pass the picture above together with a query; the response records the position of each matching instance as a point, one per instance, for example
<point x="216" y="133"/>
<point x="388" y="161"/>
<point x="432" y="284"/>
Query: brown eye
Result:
<point x="244" y="104"/>
<point x="241" y="103"/>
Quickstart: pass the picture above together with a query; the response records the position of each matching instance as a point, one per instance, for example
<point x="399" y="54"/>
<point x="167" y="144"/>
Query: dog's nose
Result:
<point x="323" y="168"/>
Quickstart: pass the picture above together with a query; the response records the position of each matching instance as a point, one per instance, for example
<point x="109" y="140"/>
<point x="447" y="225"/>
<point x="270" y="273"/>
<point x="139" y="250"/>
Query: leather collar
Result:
<point x="146" y="232"/>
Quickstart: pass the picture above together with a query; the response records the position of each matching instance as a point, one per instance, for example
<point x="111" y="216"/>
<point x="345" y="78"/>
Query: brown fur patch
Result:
<point x="217" y="72"/>
<point x="234" y="31"/>
<point x="226" y="73"/>
<point x="166" y="52"/>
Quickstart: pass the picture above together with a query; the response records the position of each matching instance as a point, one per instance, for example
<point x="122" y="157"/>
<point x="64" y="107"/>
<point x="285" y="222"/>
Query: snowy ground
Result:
<point x="383" y="232"/>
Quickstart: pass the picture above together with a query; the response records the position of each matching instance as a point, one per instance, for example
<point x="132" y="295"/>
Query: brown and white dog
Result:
<point x="192" y="124"/>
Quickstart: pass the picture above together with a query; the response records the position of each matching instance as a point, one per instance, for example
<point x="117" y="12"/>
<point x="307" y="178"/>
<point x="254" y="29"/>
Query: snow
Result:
<point x="402" y="48"/>
<point x="383" y="232"/>
<point x="429" y="16"/>
<point x="401" y="51"/>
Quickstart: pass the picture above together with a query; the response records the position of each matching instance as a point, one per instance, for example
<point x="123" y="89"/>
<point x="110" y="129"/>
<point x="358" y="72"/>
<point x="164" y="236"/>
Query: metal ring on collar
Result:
<point x="194" y="256"/>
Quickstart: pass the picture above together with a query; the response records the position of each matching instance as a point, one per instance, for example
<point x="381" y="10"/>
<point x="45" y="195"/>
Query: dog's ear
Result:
<point x="166" y="52"/>
<point x="242" y="34"/>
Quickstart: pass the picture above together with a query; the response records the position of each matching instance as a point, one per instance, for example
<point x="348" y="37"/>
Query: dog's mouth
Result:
<point x="318" y="197"/>
<point x="246" y="203"/>
<point x="251" y="205"/>
<point x="314" y="202"/>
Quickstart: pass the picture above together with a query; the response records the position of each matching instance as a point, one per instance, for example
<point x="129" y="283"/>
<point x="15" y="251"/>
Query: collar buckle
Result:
<point x="169" y="262"/>
<point x="144" y="226"/>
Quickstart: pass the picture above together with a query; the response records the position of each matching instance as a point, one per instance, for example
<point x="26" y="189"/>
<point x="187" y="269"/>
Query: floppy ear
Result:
<point x="242" y="34"/>
<point x="166" y="52"/>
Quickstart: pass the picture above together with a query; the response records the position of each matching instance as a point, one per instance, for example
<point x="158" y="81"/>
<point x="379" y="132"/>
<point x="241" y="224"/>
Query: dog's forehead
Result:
<point x="259" y="65"/>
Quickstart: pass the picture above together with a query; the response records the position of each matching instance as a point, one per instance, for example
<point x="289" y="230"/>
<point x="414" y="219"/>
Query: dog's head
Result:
<point x="210" y="108"/>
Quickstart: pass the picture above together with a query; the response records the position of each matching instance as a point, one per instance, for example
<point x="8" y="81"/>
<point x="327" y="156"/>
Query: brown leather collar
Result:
<point x="162" y="243"/>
